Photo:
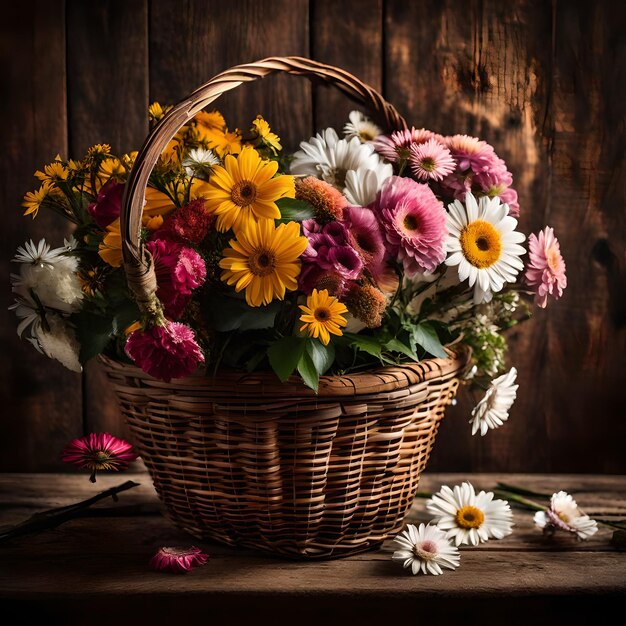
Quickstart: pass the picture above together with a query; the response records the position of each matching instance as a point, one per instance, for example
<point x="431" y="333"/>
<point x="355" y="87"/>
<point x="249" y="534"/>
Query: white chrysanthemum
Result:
<point x="59" y="342"/>
<point x="327" y="157"/>
<point x="50" y="274"/>
<point x="200" y="161"/>
<point x="363" y="185"/>
<point x="470" y="518"/>
<point x="483" y="242"/>
<point x="426" y="549"/>
<point x="361" y="127"/>
<point x="564" y="513"/>
<point x="493" y="409"/>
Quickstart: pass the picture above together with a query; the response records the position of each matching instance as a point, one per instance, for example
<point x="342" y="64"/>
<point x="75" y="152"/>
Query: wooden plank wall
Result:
<point x="544" y="81"/>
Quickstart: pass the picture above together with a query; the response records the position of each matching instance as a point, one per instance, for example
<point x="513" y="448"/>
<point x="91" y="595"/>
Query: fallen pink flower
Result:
<point x="178" y="560"/>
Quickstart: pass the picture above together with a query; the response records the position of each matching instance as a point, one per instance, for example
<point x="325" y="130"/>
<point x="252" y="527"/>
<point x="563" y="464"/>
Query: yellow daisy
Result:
<point x="222" y="142"/>
<point x="264" y="260"/>
<point x="156" y="111"/>
<point x="245" y="190"/>
<point x="53" y="172"/>
<point x="213" y="120"/>
<point x="322" y="316"/>
<point x="100" y="151"/>
<point x="33" y="199"/>
<point x="262" y="129"/>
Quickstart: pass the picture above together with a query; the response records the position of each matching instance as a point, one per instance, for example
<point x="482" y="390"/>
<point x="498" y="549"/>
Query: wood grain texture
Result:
<point x="349" y="35"/>
<point x="107" y="103"/>
<point x="99" y="565"/>
<point x="41" y="400"/>
<point x="218" y="35"/>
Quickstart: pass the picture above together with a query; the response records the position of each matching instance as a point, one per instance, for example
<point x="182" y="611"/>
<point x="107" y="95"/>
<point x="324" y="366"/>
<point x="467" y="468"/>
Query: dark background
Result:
<point x="545" y="82"/>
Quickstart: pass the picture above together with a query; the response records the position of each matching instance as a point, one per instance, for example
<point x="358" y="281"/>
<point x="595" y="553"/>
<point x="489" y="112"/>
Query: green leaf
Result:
<point x="292" y="210"/>
<point x="321" y="355"/>
<point x="125" y="315"/>
<point x="285" y="354"/>
<point x="93" y="332"/>
<point x="308" y="371"/>
<point x="365" y="343"/>
<point x="426" y="336"/>
<point x="395" y="345"/>
<point x="226" y="313"/>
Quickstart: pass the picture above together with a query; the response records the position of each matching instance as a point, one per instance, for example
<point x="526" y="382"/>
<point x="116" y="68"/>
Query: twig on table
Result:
<point x="55" y="517"/>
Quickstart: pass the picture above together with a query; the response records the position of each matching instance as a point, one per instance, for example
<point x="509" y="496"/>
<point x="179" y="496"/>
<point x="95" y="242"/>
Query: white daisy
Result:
<point x="39" y="253"/>
<point x="493" y="409"/>
<point x="200" y="162"/>
<point x="483" y="242"/>
<point x="426" y="549"/>
<point x="361" y="127"/>
<point x="470" y="518"/>
<point x="563" y="513"/>
<point x="327" y="157"/>
<point x="362" y="185"/>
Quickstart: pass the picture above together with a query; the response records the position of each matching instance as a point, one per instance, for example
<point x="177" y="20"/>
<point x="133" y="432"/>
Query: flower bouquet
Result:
<point x="284" y="331"/>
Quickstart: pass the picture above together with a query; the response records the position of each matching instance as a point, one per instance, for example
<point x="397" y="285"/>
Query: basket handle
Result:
<point x="137" y="261"/>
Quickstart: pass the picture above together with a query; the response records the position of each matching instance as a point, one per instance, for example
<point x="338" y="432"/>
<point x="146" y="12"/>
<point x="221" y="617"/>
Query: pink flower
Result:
<point x="479" y="170"/>
<point x="366" y="237"/>
<point x="178" y="560"/>
<point x="345" y="261"/>
<point x="430" y="160"/>
<point x="106" y="208"/>
<point x="545" y="273"/>
<point x="179" y="270"/>
<point x="190" y="224"/>
<point x="396" y="147"/>
<point x="165" y="352"/>
<point x="99" y="451"/>
<point x="414" y="222"/>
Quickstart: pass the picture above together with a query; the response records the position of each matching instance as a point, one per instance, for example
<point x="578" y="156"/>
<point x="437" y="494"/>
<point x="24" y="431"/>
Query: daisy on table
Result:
<point x="469" y="518"/>
<point x="425" y="549"/>
<point x="564" y="514"/>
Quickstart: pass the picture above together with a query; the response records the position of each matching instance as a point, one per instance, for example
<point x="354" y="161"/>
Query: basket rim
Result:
<point x="375" y="380"/>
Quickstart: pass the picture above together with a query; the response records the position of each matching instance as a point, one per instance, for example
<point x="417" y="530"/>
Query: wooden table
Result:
<point x="94" y="570"/>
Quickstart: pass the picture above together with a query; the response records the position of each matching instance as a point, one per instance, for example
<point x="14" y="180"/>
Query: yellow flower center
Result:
<point x="243" y="193"/>
<point x="563" y="517"/>
<point x="428" y="164"/>
<point x="552" y="256"/>
<point x="427" y="550"/>
<point x="262" y="262"/>
<point x="481" y="243"/>
<point x="469" y="517"/>
<point x="322" y="314"/>
<point x="410" y="223"/>
<point x="366" y="135"/>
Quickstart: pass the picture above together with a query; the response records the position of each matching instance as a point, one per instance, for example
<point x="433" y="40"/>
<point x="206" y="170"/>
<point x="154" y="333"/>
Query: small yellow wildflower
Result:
<point x="262" y="130"/>
<point x="33" y="199"/>
<point x="322" y="315"/>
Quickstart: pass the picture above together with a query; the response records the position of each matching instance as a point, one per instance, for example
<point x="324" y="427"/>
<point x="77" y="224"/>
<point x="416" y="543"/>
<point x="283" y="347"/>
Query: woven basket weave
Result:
<point x="249" y="461"/>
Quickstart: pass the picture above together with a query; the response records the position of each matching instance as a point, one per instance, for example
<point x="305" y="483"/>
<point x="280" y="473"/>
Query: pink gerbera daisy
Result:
<point x="396" y="147"/>
<point x="365" y="236"/>
<point x="414" y="222"/>
<point x="165" y="352"/>
<point x="99" y="451"/>
<point x="545" y="273"/>
<point x="430" y="160"/>
<point x="178" y="560"/>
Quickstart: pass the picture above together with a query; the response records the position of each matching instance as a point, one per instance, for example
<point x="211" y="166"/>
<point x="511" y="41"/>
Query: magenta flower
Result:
<point x="190" y="224"/>
<point x="179" y="270"/>
<point x="99" y="451"/>
<point x="414" y="222"/>
<point x="106" y="208"/>
<point x="178" y="560"/>
<point x="430" y="160"/>
<point x="366" y="237"/>
<point x="165" y="352"/>
<point x="545" y="273"/>
<point x="396" y="147"/>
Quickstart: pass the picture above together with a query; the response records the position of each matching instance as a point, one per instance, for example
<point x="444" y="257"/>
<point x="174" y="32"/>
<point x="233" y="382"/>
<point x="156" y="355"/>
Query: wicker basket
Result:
<point x="248" y="461"/>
